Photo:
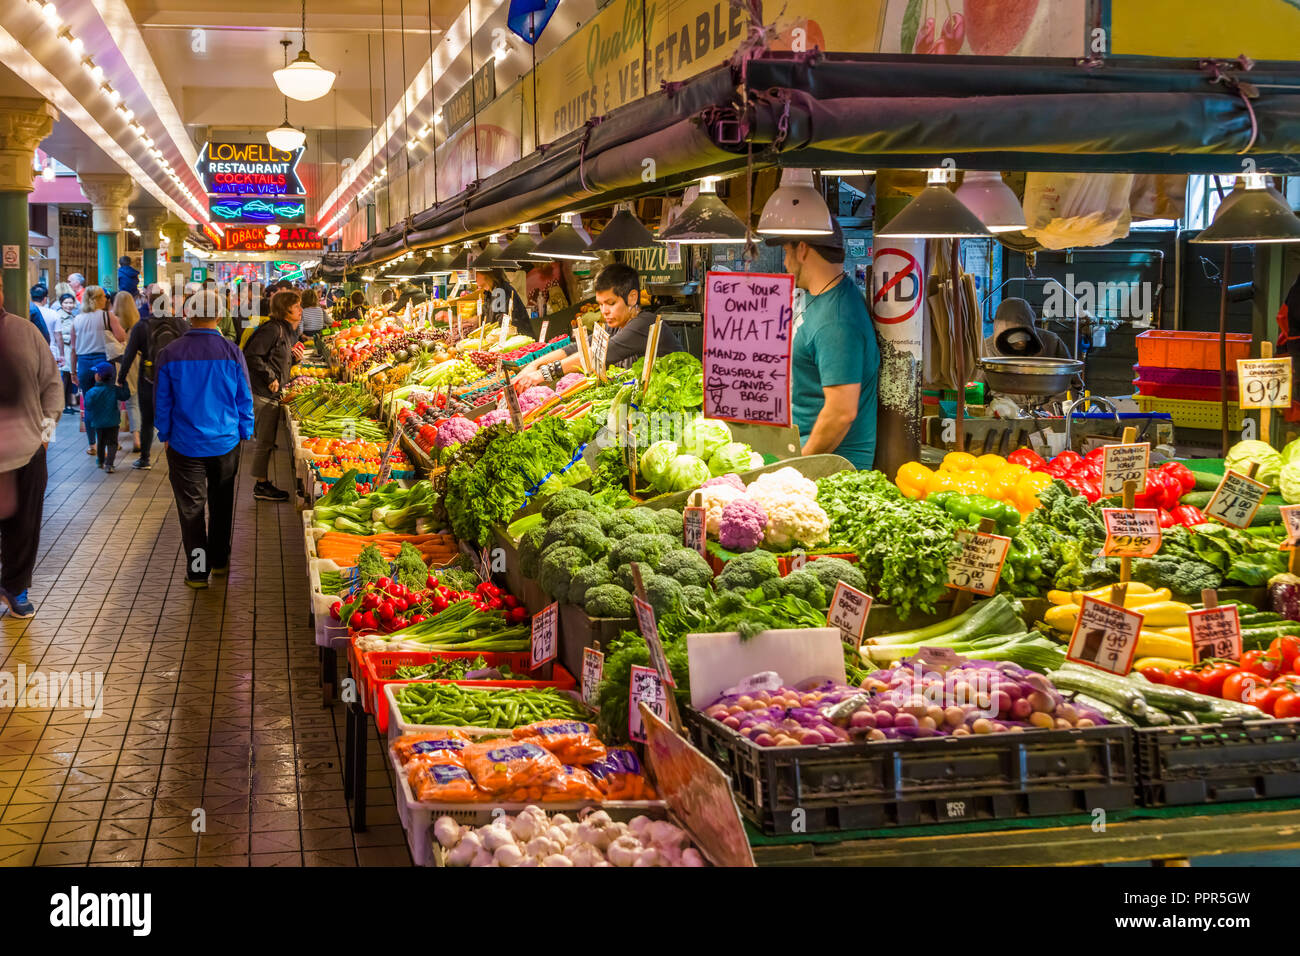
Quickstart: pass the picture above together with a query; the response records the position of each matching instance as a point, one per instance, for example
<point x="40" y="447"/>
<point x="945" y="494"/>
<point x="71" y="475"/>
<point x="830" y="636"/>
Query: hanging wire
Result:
<point x="406" y="116"/>
<point x="388" y="182"/>
<point x="433" y="102"/>
<point x="370" y="99"/>
<point x="473" y="88"/>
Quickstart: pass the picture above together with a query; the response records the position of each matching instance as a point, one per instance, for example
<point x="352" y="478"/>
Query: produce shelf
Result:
<point x="1218" y="763"/>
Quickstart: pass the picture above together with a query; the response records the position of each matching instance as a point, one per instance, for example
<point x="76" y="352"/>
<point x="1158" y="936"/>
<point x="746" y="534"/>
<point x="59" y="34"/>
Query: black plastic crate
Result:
<point x="1218" y="763"/>
<point x="895" y="783"/>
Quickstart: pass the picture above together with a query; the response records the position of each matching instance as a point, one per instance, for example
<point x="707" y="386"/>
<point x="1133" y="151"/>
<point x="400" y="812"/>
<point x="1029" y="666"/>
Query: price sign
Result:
<point x="674" y="253"/>
<point x="1291" y="519"/>
<point x="599" y="348"/>
<point x="645" y="619"/>
<point x="694" y="530"/>
<point x="546" y="324"/>
<point x="545" y="636"/>
<point x="939" y="657"/>
<point x="1124" y="463"/>
<point x="978" y="564"/>
<point x="644" y="687"/>
<point x="512" y="403"/>
<point x="748" y="330"/>
<point x="593" y="671"/>
<point x="1264" y="382"/>
<point x="505" y="328"/>
<point x="848" y="611"/>
<point x="1216" y="632"/>
<point x="630" y="450"/>
<point x="1105" y="636"/>
<point x="386" y="465"/>
<point x="1131" y="532"/>
<point x="1236" y="500"/>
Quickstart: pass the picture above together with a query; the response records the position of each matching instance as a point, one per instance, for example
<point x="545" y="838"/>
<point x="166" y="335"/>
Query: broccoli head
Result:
<point x="565" y="500"/>
<point x="662" y="593"/>
<point x="1179" y="575"/>
<point x="530" y="552"/>
<point x="608" y="600"/>
<point x="805" y="585"/>
<point x="748" y="571"/>
<point x="586" y="578"/>
<point x="559" y="529"/>
<point x="588" y="539"/>
<point x="686" y="566"/>
<point x="694" y="596"/>
<point x="645" y="549"/>
<point x="644" y="520"/>
<point x="830" y="571"/>
<point x="559" y="563"/>
<point x="670" y="522"/>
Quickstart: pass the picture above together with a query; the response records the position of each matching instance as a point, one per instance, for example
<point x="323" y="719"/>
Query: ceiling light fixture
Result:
<point x="48" y="172"/>
<point x="796" y="208"/>
<point x="96" y="71"/>
<point x="113" y="95"/>
<point x="304" y="79"/>
<point x="848" y="172"/>
<point x="286" y="136"/>
<point x="566" y="242"/>
<point x="706" y="221"/>
<point x="1250" y="215"/>
<point x="985" y="194"/>
<point x="935" y="213"/>
<point x="622" y="233"/>
<point x="51" y="14"/>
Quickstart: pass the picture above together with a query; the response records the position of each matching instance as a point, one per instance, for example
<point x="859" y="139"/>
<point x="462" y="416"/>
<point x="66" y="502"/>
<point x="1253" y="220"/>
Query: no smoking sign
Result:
<point x="896" y="286"/>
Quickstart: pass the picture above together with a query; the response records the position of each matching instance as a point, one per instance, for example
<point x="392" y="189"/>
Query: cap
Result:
<point x="105" y="368"/>
<point x="832" y="243"/>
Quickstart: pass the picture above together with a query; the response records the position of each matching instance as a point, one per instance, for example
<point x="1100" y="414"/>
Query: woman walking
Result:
<point x="97" y="336"/>
<point x="67" y="359"/>
<point x="124" y="307"/>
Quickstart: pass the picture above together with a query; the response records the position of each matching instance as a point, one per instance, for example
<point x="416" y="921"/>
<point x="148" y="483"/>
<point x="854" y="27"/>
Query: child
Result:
<point x="103" y="413"/>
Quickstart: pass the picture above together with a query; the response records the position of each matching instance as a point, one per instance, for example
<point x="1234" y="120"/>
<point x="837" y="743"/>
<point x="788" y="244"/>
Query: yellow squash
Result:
<point x="1151" y="644"/>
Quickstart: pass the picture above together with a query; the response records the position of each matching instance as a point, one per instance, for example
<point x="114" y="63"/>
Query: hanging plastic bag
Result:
<point x="1077" y="209"/>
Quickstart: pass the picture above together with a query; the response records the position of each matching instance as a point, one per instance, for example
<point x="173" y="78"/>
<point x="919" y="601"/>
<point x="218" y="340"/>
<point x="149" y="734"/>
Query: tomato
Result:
<point x="1213" y="676"/>
<point x="1288" y="705"/>
<point x="1184" y="679"/>
<point x="1287" y="649"/>
<point x="1239" y="685"/>
<point x="1154" y="674"/>
<point x="1262" y="664"/>
<point x="1266" y="698"/>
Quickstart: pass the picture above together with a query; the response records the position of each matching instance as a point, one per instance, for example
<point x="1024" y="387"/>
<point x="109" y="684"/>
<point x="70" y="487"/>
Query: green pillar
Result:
<point x="149" y="267"/>
<point x="13" y="232"/>
<point x="106" y="243"/>
<point x="24" y="123"/>
<point x="108" y="194"/>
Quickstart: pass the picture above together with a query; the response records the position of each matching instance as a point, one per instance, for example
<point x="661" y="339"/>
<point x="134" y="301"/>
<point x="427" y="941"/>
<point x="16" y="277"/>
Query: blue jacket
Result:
<point x="102" y="400"/>
<point x="128" y="279"/>
<point x="202" y="404"/>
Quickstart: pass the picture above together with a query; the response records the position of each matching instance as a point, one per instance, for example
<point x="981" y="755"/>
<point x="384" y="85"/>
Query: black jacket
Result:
<point x="137" y="345"/>
<point x="269" y="354"/>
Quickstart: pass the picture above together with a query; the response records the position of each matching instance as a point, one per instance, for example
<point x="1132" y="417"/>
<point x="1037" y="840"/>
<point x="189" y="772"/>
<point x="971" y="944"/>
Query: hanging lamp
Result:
<point x="623" y="233"/>
<point x="518" y="252"/>
<point x="796" y="208"/>
<point x="465" y="258"/>
<point x="706" y="221"/>
<point x="1250" y="215"/>
<point x="935" y="213"/>
<point x="983" y="192"/>
<point x="565" y="242"/>
<point x="286" y="136"/>
<point x="487" y="259"/>
<point x="304" y="79"/>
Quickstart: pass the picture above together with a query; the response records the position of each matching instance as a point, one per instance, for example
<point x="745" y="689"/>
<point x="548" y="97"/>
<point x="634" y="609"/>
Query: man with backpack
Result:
<point x="148" y="337"/>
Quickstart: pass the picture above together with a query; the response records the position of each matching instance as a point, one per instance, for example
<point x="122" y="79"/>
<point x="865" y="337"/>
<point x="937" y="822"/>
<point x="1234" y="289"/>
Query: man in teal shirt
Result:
<point x="835" y="362"/>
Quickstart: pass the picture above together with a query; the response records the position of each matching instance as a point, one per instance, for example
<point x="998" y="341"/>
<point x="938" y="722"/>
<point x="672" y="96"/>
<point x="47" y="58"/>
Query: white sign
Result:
<point x="748" y="331"/>
<point x="505" y="328"/>
<point x="674" y="253"/>
<point x="593" y="671"/>
<point x="512" y="402"/>
<point x="546" y="324"/>
<point x="1105" y="636"/>
<point x="848" y="611"/>
<point x="978" y="565"/>
<point x="644" y="687"/>
<point x="1236" y="500"/>
<point x="693" y="530"/>
<point x="1131" y="532"/>
<point x="545" y="636"/>
<point x="1264" y="383"/>
<point x="1122" y="464"/>
<point x="1216" y="632"/>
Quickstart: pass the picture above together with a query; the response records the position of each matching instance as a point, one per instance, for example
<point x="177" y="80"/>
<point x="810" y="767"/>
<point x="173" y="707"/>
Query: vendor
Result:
<point x="834" y="361"/>
<point x="499" y="298"/>
<point x="618" y="293"/>
<point x="410" y="293"/>
<point x="1016" y="335"/>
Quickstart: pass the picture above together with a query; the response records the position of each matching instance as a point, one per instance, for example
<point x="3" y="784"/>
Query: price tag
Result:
<point x="546" y="324"/>
<point x="1216" y="632"/>
<point x="1236" y="500"/>
<point x="630" y="451"/>
<point x="848" y="611"/>
<point x="674" y="253"/>
<point x="512" y="403"/>
<point x="1105" y="636"/>
<point x="545" y="636"/>
<point x="505" y="328"/>
<point x="1264" y="382"/>
<point x="939" y="657"/>
<point x="645" y="619"/>
<point x="599" y="348"/>
<point x="593" y="671"/>
<point x="375" y="370"/>
<point x="386" y="464"/>
<point x="978" y="564"/>
<point x="1124" y="463"/>
<point x="694" y="530"/>
<point x="1291" y="519"/>
<point x="1131" y="532"/>
<point x="644" y="687"/>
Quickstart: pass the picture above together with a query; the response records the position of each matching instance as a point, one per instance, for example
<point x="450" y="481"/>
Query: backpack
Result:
<point x="163" y="331"/>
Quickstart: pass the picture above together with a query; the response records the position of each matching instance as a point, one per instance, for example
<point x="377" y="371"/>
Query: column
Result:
<point x="176" y="231"/>
<point x="108" y="194"/>
<point x="24" y="122"/>
<point x="150" y="225"/>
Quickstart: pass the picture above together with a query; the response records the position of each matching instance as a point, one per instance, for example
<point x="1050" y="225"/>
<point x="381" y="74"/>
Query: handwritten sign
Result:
<point x="545" y="636"/>
<point x="599" y="349"/>
<point x="644" y="687"/>
<point x="505" y="329"/>
<point x="747" y="335"/>
<point x="1124" y="463"/>
<point x="593" y="671"/>
<point x="649" y="627"/>
<point x="386" y="463"/>
<point x="848" y="611"/>
<point x="1131" y="532"/>
<point x="1236" y="500"/>
<point x="693" y="530"/>
<point x="512" y="403"/>
<point x="546" y="324"/>
<point x="978" y="564"/>
<point x="1291" y="519"/>
<point x="1264" y="382"/>
<point x="1216" y="632"/>
<point x="1105" y="636"/>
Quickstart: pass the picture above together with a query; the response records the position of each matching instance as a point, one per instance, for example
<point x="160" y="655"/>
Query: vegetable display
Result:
<point x="456" y="706"/>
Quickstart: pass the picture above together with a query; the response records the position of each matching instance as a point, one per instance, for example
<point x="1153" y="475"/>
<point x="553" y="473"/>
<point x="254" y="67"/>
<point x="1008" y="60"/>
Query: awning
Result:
<point x="38" y="240"/>
<point x="852" y="110"/>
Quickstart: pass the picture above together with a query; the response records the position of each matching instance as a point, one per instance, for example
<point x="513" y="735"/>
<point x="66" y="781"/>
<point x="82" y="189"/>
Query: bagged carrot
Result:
<point x="572" y="741"/>
<point x="619" y="776"/>
<point x="503" y="766"/>
<point x="571" y="783"/>
<point x="443" y="783"/>
<point x="444" y="746"/>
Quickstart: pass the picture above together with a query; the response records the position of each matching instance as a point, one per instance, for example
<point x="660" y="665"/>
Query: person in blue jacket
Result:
<point x="203" y="409"/>
<point x="128" y="277"/>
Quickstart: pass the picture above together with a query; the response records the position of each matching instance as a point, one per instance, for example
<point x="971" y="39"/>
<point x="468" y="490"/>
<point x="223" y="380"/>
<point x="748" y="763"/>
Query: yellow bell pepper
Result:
<point x="943" y="481"/>
<point x="958" y="461"/>
<point x="1025" y="495"/>
<point x="990" y="462"/>
<point x="1012" y="472"/>
<point x="914" y="479"/>
<point x="973" y="482"/>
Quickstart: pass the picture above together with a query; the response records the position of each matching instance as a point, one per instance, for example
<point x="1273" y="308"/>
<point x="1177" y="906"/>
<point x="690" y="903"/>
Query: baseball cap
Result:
<point x="833" y="244"/>
<point x="105" y="368"/>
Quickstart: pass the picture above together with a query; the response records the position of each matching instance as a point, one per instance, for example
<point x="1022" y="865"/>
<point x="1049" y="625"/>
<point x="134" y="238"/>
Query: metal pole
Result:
<point x="1223" y="344"/>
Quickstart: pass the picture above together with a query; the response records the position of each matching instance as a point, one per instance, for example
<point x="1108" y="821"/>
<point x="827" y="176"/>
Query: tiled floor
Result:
<point x="213" y="747"/>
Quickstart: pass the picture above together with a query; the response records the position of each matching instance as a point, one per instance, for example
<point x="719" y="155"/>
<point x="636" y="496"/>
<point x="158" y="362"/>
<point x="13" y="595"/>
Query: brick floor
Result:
<point x="211" y="699"/>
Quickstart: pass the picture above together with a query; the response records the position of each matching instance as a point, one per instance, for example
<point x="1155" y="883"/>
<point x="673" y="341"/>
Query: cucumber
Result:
<point x="1266" y="515"/>
<point x="1205" y="481"/>
<point x="1258" y="619"/>
<point x="1125" y="695"/>
<point x="1112" y="714"/>
<point x="1197" y="499"/>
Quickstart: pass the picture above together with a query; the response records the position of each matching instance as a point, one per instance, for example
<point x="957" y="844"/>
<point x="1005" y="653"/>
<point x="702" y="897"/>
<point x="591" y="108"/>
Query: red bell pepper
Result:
<point x="1027" y="457"/>
<point x="1188" y="515"/>
<point x="1167" y="520"/>
<point x="1183" y="474"/>
<point x="1055" y="469"/>
<point x="1068" y="458"/>
<point x="1160" y="491"/>
<point x="1097" y="454"/>
<point x="1090" y="490"/>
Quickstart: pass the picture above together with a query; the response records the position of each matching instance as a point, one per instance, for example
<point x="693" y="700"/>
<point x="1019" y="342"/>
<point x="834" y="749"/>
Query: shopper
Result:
<point x="37" y="311"/>
<point x="68" y="364"/>
<point x="128" y="314"/>
<point x="77" y="282"/>
<point x="128" y="277"/>
<point x="97" y="336"/>
<point x="54" y="325"/>
<point x="313" y="316"/>
<point x="357" y="311"/>
<point x="103" y="413"/>
<point x="29" y="410"/>
<point x="618" y="293"/>
<point x="270" y="355"/>
<point x="500" y="298"/>
<point x="835" y="361"/>
<point x="203" y="410"/>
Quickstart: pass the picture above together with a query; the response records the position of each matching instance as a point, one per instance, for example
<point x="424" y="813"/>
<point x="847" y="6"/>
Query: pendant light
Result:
<point x="286" y="136"/>
<point x="623" y="233"/>
<point x="935" y="214"/>
<point x="565" y="242"/>
<point x="518" y="252"/>
<point x="706" y="221"/>
<point x="428" y="266"/>
<point x="487" y="259"/>
<point x="304" y="79"/>
<point x="984" y="193"/>
<point x="463" y="260"/>
<point x="847" y="172"/>
<point x="796" y="208"/>
<point x="1253" y="214"/>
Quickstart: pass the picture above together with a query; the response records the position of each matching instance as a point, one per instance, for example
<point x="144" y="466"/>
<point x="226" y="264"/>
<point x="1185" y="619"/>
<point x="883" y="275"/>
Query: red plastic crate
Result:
<point x="1189" y="350"/>
<point x="1191" y="393"/>
<point x="1182" y="376"/>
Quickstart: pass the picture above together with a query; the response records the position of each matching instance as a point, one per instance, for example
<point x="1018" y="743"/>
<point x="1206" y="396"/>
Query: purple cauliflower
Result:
<point x="455" y="431"/>
<point x="570" y="380"/>
<point x="534" y="397"/>
<point x="731" y="481"/>
<point x="494" y="417"/>
<point x="743" y="524"/>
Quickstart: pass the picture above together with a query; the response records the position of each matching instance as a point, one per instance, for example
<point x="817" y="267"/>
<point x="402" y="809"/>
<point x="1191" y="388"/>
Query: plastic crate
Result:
<point x="891" y="783"/>
<point x="1182" y="376"/>
<point x="1218" y="763"/>
<point x="1194" y="393"/>
<point x="1189" y="414"/>
<point x="1189" y="350"/>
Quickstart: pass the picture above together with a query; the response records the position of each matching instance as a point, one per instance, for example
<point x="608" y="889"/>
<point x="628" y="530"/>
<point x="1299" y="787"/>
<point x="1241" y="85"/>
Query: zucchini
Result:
<point x="1205" y="481"/>
<point x="1266" y="515"/>
<point x="1124" y="695"/>
<point x="1153" y="717"/>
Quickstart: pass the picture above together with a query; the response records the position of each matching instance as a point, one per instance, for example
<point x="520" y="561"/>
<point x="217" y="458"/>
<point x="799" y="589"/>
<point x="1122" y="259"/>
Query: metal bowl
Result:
<point x="1030" y="375"/>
